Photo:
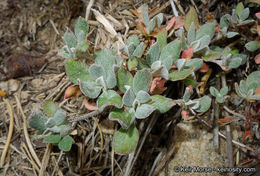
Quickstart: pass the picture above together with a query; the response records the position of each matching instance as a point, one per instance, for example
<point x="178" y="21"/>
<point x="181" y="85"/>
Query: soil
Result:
<point x="32" y="72"/>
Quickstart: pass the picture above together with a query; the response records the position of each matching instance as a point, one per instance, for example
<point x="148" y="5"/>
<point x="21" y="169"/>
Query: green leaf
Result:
<point x="83" y="46"/>
<point x="155" y="22"/>
<point x="252" y="46"/>
<point x="190" y="81"/>
<point x="239" y="8"/>
<point x="162" y="39"/>
<point x="97" y="71"/>
<point x="145" y="16"/>
<point x="153" y="54"/>
<point x="142" y="96"/>
<point x="64" y="52"/>
<point x="225" y="20"/>
<point x="59" y="117"/>
<point x="191" y="33"/>
<point x="65" y="143"/>
<point x="106" y="59"/>
<point x="235" y="62"/>
<point x="132" y="64"/>
<point x="124" y="77"/>
<point x="70" y="39"/>
<point x="223" y="91"/>
<point x="49" y="108"/>
<point x="77" y="70"/>
<point x="109" y="97"/>
<point x="190" y="18"/>
<point x="205" y="103"/>
<point x="54" y="139"/>
<point x="144" y="111"/>
<point x="159" y="70"/>
<point x="170" y="53"/>
<point x="220" y="98"/>
<point x="124" y="118"/>
<point x="125" y="141"/>
<point x="38" y="121"/>
<point x="213" y="55"/>
<point x="128" y="97"/>
<point x="138" y="50"/>
<point x="90" y="89"/>
<point x="180" y="75"/>
<point x="186" y="96"/>
<point x="253" y="80"/>
<point x="195" y="62"/>
<point x="142" y="80"/>
<point x="162" y="103"/>
<point x="244" y="14"/>
<point x="81" y="29"/>
<point x="206" y="29"/>
<point x="232" y="34"/>
<point x="213" y="91"/>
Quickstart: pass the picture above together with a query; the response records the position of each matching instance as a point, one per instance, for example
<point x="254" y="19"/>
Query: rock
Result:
<point x="194" y="148"/>
<point x="13" y="85"/>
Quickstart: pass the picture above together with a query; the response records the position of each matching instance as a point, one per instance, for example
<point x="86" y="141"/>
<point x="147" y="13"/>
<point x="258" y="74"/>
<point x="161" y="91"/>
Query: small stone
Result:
<point x="13" y="85"/>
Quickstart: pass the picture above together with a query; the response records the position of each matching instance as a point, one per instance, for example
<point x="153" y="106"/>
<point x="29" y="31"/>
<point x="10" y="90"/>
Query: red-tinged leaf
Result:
<point x="258" y="15"/>
<point x="257" y="59"/>
<point x="157" y="86"/>
<point x="185" y="114"/>
<point x="180" y="21"/>
<point x="226" y="119"/>
<point x="247" y="134"/>
<point x="72" y="91"/>
<point x="191" y="89"/>
<point x="257" y="90"/>
<point x="187" y="54"/>
<point x="204" y="68"/>
<point x="90" y="106"/>
<point x="171" y="23"/>
<point x="2" y="93"/>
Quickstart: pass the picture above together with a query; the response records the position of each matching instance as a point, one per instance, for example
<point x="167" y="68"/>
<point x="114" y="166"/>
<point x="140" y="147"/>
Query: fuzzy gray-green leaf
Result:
<point x="109" y="97"/>
<point x="90" y="89"/>
<point x="125" y="141"/>
<point x="65" y="143"/>
<point x="38" y="121"/>
<point x="153" y="54"/>
<point x="124" y="118"/>
<point x="77" y="70"/>
<point x="170" y="53"/>
<point x="162" y="103"/>
<point x="124" y="77"/>
<point x="142" y="96"/>
<point x="81" y="29"/>
<point x="144" y="111"/>
<point x="142" y="80"/>
<point x="206" y="29"/>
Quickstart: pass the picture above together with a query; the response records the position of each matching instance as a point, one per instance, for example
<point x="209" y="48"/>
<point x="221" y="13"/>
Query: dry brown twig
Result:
<point x="10" y="132"/>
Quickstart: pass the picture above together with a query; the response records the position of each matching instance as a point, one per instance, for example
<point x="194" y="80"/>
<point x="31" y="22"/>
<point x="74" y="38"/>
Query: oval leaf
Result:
<point x="54" y="139"/>
<point x="142" y="81"/>
<point x="124" y="118"/>
<point x="162" y="103"/>
<point x="144" y="111"/>
<point x="49" y="108"/>
<point x="109" y="97"/>
<point x="66" y="143"/>
<point x="77" y="70"/>
<point x="125" y="141"/>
